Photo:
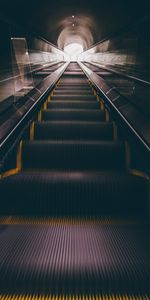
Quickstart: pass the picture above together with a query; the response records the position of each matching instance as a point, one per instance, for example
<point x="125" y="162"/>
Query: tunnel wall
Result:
<point x="129" y="51"/>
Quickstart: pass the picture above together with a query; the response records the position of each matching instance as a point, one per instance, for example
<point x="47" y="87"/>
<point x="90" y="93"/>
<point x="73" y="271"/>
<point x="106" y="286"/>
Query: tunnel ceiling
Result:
<point x="93" y="20"/>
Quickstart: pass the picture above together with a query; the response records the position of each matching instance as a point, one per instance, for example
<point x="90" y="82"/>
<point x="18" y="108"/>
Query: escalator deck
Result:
<point x="73" y="222"/>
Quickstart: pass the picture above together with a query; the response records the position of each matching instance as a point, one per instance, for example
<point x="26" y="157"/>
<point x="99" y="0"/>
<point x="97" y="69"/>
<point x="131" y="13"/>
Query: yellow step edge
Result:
<point x="94" y="92"/>
<point x="19" y="156"/>
<point x="52" y="92"/>
<point x="40" y="116"/>
<point x="49" y="98"/>
<point x="72" y="297"/>
<point x="97" y="97"/>
<point x="89" y="81"/>
<point x="139" y="173"/>
<point x="107" y="115"/>
<point x="102" y="106"/>
<point x="45" y="105"/>
<point x="58" y="82"/>
<point x="18" y="220"/>
<point x="18" y="163"/>
<point x="10" y="173"/>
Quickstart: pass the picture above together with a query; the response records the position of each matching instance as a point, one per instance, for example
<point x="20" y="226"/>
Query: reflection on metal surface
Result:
<point x="23" y="81"/>
<point x="21" y="66"/>
<point x="11" y="125"/>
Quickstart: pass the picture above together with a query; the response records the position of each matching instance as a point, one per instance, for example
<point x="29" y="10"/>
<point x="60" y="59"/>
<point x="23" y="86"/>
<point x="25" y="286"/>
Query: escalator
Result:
<point x="74" y="217"/>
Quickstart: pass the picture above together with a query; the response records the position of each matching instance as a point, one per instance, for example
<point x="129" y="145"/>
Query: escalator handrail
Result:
<point x="90" y="74"/>
<point x="53" y="78"/>
<point x="136" y="79"/>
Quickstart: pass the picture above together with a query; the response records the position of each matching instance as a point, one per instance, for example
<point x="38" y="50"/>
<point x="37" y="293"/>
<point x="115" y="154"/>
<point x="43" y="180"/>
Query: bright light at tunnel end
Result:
<point x="73" y="50"/>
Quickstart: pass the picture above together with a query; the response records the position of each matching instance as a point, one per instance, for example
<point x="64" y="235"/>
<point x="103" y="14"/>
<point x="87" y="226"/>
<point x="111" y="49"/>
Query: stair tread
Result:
<point x="73" y="114"/>
<point x="74" y="193"/>
<point x="68" y="265"/>
<point x="73" y="156"/>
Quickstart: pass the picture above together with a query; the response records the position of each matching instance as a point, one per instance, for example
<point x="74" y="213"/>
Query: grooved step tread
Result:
<point x="73" y="114"/>
<point x="74" y="193"/>
<point x="70" y="88"/>
<point x="74" y="130"/>
<point x="75" y="155"/>
<point x="75" y="257"/>
<point x="73" y="104"/>
<point x="76" y="97"/>
<point x="73" y="91"/>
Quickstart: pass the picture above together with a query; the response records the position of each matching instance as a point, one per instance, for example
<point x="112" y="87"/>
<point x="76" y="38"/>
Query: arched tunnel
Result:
<point x="74" y="150"/>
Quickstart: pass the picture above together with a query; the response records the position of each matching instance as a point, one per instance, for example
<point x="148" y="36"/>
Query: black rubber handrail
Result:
<point x="136" y="79"/>
<point x="51" y="80"/>
<point x="95" y="79"/>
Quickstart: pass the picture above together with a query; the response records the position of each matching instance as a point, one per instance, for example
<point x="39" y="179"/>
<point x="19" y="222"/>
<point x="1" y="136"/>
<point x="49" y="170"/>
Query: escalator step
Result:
<point x="74" y="97"/>
<point x="73" y="130"/>
<point x="73" y="155"/>
<point x="73" y="114"/>
<point x="68" y="88"/>
<point x="72" y="92"/>
<point x="73" y="81"/>
<point x="53" y="193"/>
<point x="73" y="104"/>
<point x="65" y="80"/>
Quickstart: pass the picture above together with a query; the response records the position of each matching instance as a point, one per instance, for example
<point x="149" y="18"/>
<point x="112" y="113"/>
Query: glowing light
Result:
<point x="73" y="50"/>
<point x="84" y="28"/>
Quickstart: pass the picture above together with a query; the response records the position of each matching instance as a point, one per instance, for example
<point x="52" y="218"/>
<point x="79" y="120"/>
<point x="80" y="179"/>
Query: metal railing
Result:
<point x="11" y="129"/>
<point x="110" y="94"/>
